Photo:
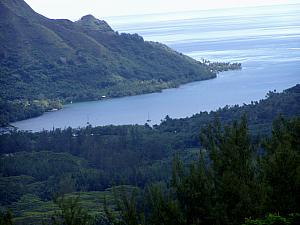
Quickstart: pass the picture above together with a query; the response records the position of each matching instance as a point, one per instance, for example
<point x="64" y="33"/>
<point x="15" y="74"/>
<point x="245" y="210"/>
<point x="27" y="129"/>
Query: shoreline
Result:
<point x="172" y="85"/>
<point x="104" y="99"/>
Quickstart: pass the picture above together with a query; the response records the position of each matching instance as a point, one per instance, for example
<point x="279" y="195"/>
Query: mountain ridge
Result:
<point x="48" y="62"/>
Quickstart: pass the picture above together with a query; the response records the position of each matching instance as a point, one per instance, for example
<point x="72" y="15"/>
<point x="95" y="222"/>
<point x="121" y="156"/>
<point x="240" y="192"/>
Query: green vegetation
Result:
<point x="259" y="113"/>
<point x="237" y="165"/>
<point x="30" y="209"/>
<point x="45" y="63"/>
<point x="221" y="66"/>
<point x="229" y="181"/>
<point x="244" y="169"/>
<point x="272" y="219"/>
<point x="6" y="218"/>
<point x="70" y="212"/>
<point x="23" y="109"/>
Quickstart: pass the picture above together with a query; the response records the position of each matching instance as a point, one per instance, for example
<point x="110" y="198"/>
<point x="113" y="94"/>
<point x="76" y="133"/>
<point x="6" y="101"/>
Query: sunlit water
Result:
<point x="266" y="40"/>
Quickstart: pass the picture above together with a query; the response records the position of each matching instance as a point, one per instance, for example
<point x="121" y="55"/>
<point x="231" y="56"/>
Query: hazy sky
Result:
<point x="74" y="9"/>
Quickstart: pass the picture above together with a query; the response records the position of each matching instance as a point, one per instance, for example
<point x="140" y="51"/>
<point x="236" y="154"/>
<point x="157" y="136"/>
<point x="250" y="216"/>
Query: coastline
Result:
<point x="177" y="85"/>
<point x="158" y="87"/>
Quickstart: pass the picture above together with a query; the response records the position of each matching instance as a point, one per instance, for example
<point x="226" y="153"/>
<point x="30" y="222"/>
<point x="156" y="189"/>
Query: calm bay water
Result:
<point x="266" y="40"/>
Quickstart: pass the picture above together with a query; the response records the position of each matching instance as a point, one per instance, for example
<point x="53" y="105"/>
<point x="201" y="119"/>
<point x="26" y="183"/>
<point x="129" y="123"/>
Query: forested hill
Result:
<point x="260" y="114"/>
<point x="46" y="62"/>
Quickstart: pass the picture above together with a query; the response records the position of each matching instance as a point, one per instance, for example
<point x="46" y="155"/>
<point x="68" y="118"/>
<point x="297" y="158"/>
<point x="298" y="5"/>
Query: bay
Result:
<point x="266" y="40"/>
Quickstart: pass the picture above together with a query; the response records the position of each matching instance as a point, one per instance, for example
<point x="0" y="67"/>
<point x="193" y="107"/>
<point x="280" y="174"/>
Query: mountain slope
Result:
<point x="44" y="62"/>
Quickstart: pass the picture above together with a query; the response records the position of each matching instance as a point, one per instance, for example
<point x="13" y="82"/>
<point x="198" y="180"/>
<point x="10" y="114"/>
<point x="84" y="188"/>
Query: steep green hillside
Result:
<point x="45" y="62"/>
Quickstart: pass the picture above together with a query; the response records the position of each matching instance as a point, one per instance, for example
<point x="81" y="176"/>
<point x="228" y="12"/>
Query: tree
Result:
<point x="6" y="218"/>
<point x="161" y="207"/>
<point x="235" y="176"/>
<point x="281" y="166"/>
<point x="126" y="203"/>
<point x="194" y="191"/>
<point x="70" y="212"/>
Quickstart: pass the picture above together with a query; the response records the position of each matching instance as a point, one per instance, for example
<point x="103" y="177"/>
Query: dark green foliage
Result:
<point x="14" y="187"/>
<point x="282" y="166"/>
<point x="6" y="218"/>
<point x="122" y="153"/>
<point x="126" y="205"/>
<point x="234" y="172"/>
<point x="161" y="207"/>
<point x="70" y="213"/>
<point x="40" y="165"/>
<point x="233" y="183"/>
<point x="223" y="190"/>
<point x="259" y="114"/>
<point x="155" y="208"/>
<point x="43" y="174"/>
<point x="194" y="191"/>
<point x="22" y="109"/>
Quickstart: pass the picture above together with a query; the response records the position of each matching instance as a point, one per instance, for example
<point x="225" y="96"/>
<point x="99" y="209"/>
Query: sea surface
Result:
<point x="266" y="40"/>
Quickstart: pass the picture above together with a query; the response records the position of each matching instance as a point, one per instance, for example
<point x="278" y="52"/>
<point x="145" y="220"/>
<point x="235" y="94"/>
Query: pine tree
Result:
<point x="282" y="167"/>
<point x="232" y="161"/>
<point x="162" y="208"/>
<point x="194" y="192"/>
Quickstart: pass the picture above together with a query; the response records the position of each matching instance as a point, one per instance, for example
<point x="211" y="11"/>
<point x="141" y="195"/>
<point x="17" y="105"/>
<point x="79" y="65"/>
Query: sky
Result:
<point x="75" y="9"/>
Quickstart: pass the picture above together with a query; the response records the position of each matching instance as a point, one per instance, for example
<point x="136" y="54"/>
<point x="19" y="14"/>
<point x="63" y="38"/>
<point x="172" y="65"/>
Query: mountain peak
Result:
<point x="91" y="23"/>
<point x="89" y="17"/>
